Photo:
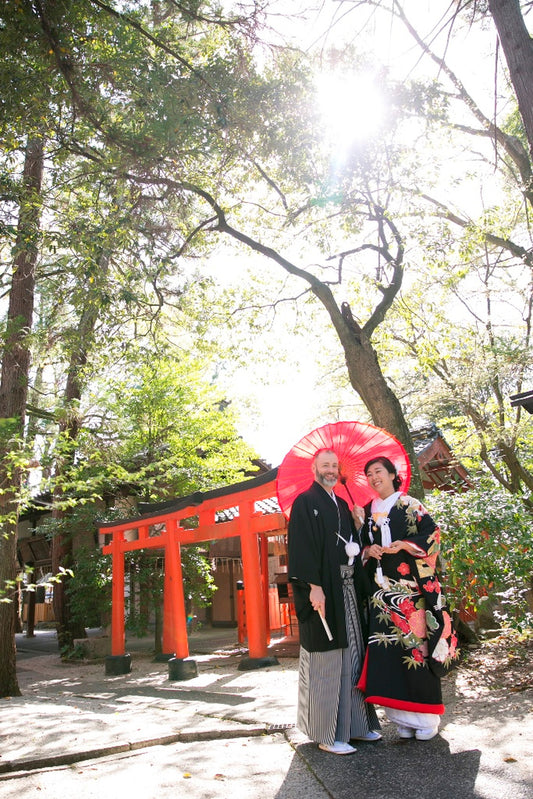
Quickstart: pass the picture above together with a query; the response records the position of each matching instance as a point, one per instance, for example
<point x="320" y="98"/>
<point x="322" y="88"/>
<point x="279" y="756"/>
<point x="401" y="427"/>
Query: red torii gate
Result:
<point x="160" y="529"/>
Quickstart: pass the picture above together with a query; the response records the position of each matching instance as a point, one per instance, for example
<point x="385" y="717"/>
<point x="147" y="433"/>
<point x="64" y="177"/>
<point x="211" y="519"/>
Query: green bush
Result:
<point x="487" y="551"/>
<point x="198" y="581"/>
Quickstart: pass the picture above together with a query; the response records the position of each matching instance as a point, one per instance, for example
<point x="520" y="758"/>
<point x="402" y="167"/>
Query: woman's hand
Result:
<point x="397" y="546"/>
<point x="358" y="514"/>
<point x="317" y="599"/>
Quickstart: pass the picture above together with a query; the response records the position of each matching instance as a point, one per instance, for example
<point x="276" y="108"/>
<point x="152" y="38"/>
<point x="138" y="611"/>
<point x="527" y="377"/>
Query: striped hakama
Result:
<point x="330" y="707"/>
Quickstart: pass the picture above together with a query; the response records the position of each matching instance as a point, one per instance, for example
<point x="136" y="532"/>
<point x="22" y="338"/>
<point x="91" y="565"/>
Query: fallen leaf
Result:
<point x="187" y="776"/>
<point x="510" y="759"/>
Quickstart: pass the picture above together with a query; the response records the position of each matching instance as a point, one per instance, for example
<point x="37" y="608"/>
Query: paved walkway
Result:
<point x="230" y="730"/>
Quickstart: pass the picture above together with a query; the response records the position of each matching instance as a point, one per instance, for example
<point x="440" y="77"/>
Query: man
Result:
<point x="331" y="710"/>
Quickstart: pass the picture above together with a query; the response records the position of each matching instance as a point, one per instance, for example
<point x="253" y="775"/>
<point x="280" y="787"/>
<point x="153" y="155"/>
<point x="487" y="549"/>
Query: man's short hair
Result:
<point x="320" y="451"/>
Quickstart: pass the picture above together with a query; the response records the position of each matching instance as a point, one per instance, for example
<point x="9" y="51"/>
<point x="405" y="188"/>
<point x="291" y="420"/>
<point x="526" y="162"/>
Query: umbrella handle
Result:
<point x="344" y="481"/>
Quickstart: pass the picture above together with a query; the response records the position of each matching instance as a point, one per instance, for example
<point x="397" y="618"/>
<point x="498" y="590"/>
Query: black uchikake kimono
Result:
<point x="412" y="643"/>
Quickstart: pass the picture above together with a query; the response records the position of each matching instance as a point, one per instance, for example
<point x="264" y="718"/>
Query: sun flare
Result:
<point x="352" y="107"/>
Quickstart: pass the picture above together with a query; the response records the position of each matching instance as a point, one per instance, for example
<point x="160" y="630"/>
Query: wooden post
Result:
<point x="174" y="615"/>
<point x="118" y="635"/>
<point x="30" y="609"/>
<point x="255" y="607"/>
<point x="265" y="583"/>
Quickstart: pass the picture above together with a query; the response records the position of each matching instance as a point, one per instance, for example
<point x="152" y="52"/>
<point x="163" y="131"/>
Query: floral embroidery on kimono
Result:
<point x="412" y="642"/>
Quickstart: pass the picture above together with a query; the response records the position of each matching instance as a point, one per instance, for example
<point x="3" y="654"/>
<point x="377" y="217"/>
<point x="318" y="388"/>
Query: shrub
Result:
<point x="487" y="551"/>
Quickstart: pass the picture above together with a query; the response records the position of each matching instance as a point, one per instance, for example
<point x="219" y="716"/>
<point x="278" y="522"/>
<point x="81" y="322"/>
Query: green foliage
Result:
<point x="9" y="590"/>
<point x="160" y="429"/>
<point x="89" y="589"/>
<point x="86" y="573"/>
<point x="487" y="549"/>
<point x="198" y="581"/>
<point x="70" y="652"/>
<point x="514" y="126"/>
<point x="145" y="579"/>
<point x="176" y="432"/>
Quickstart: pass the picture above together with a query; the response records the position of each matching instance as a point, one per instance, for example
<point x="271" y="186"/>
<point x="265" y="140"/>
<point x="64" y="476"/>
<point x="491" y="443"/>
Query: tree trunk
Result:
<point x="62" y="550"/>
<point x="369" y="382"/>
<point x="518" y="48"/>
<point x="67" y="629"/>
<point x="13" y="394"/>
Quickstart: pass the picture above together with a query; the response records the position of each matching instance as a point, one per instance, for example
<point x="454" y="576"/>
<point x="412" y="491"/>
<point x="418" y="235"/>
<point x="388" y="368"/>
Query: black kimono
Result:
<point x="315" y="556"/>
<point x="412" y="643"/>
<point x="330" y="706"/>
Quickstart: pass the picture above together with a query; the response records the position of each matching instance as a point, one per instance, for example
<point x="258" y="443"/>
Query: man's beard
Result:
<point x="324" y="480"/>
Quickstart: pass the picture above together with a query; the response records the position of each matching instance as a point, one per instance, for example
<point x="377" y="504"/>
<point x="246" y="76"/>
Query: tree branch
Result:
<point x="515" y="249"/>
<point x="512" y="146"/>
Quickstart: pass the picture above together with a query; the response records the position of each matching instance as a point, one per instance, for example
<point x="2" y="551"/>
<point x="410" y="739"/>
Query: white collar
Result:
<point x="384" y="505"/>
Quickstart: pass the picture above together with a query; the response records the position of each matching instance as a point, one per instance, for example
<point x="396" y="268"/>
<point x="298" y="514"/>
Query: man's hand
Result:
<point x="374" y="551"/>
<point x="318" y="599"/>
<point x="358" y="514"/>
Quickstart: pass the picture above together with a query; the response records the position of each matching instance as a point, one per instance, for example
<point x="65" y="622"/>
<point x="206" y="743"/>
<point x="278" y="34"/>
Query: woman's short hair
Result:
<point x="389" y="466"/>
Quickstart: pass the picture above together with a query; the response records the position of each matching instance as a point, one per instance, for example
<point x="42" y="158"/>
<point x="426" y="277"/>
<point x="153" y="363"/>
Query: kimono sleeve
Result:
<point x="421" y="529"/>
<point x="305" y="551"/>
<point x="443" y="654"/>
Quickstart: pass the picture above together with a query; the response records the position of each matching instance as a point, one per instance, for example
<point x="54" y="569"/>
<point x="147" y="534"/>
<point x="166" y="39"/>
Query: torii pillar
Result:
<point x="180" y="667"/>
<point x="253" y="593"/>
<point x="119" y="662"/>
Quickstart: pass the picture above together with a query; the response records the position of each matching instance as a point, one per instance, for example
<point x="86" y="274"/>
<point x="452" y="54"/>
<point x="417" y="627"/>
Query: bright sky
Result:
<point x="280" y="391"/>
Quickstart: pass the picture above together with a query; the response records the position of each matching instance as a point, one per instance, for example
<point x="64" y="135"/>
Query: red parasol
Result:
<point x="354" y="444"/>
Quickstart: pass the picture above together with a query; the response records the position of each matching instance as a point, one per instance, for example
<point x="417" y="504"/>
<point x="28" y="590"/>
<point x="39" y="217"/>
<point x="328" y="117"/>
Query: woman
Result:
<point x="411" y="641"/>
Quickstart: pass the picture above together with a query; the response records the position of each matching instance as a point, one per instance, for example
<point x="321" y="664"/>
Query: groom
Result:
<point x="331" y="710"/>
